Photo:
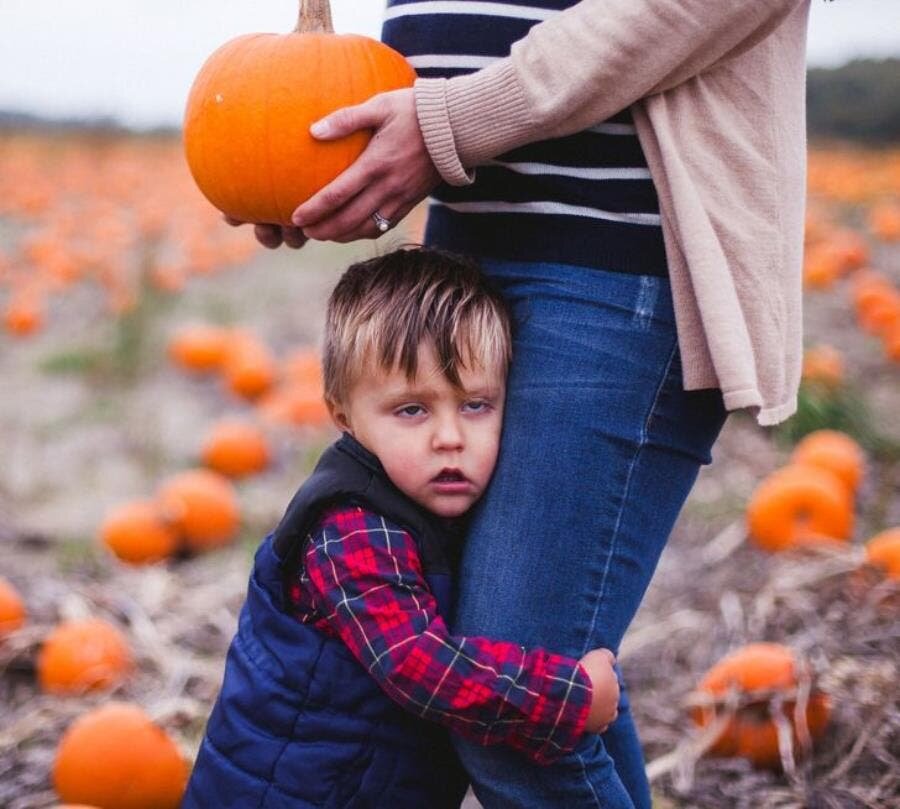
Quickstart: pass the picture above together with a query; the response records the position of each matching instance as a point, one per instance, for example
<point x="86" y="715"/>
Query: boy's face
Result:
<point x="437" y="444"/>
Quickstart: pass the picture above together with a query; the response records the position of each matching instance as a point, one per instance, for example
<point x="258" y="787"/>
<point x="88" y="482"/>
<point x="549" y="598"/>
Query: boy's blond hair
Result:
<point x="382" y="309"/>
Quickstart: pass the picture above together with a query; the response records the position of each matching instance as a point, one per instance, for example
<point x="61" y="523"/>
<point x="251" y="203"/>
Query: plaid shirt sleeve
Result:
<point x="366" y="580"/>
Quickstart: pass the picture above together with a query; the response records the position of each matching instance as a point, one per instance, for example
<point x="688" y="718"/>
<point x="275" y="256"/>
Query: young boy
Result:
<point x="342" y="649"/>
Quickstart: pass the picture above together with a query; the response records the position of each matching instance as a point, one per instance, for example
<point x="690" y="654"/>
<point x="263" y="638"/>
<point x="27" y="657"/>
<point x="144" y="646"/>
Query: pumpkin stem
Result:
<point x="315" y="17"/>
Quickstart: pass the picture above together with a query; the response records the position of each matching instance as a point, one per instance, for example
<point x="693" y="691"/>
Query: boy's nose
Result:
<point x="447" y="435"/>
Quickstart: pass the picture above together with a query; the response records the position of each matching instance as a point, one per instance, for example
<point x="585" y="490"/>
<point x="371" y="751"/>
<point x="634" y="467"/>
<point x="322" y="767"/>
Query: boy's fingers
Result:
<point x="232" y="221"/>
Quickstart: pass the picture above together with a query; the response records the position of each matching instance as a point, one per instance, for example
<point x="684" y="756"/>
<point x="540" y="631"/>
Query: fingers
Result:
<point x="272" y="236"/>
<point x="268" y="235"/>
<point x="354" y="220"/>
<point x="333" y="196"/>
<point x="340" y="123"/>
<point x="294" y="238"/>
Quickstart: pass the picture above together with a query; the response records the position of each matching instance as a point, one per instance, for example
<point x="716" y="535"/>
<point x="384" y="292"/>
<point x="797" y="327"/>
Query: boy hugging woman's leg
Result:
<point x="343" y="680"/>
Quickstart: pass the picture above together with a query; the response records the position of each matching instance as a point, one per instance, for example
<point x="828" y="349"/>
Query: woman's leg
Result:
<point x="600" y="449"/>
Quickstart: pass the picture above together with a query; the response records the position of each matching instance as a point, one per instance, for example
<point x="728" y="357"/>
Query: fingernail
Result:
<point x="319" y="129"/>
<point x="297" y="220"/>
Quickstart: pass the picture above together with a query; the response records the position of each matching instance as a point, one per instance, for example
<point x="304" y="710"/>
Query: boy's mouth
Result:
<point x="452" y="482"/>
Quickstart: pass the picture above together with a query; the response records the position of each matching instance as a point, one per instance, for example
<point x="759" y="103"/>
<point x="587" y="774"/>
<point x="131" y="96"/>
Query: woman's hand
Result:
<point x="272" y="236"/>
<point x="392" y="175"/>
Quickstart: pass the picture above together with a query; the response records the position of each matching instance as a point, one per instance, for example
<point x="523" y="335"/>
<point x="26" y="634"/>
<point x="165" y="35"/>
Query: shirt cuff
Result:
<point x="574" y="690"/>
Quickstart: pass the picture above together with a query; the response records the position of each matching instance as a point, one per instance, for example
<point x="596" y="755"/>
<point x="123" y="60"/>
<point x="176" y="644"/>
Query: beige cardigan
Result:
<point x="717" y="89"/>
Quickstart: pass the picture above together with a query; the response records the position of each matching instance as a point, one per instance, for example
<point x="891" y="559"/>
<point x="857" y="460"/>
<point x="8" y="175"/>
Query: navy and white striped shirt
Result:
<point x="584" y="199"/>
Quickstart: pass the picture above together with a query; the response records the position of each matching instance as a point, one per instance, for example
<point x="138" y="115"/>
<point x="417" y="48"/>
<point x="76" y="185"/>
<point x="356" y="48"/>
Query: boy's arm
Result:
<point x="366" y="578"/>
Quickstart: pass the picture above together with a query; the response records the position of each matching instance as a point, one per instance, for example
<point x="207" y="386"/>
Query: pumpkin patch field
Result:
<point x="161" y="401"/>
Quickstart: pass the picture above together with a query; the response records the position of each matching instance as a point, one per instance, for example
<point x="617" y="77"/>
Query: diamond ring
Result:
<point x="381" y="222"/>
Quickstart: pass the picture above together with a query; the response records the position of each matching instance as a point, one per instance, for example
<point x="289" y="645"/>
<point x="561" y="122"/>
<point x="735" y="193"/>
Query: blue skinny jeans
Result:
<point x="600" y="448"/>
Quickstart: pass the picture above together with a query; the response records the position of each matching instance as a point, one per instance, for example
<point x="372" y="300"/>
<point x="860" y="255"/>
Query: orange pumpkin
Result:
<point x="116" y="757"/>
<point x="12" y="608"/>
<point x="136" y="532"/>
<point x="81" y="656"/>
<point x="883" y="550"/>
<point x="202" y="506"/>
<point x="249" y="368"/>
<point x="891" y="341"/>
<point x="880" y="313"/>
<point x="835" y="451"/>
<point x="823" y="365"/>
<point x="199" y="348"/>
<point x="24" y="314"/>
<point x="295" y="404"/>
<point x="799" y="504"/>
<point x="303" y="367"/>
<point x="756" y="672"/>
<point x="236" y="448"/>
<point x="884" y="221"/>
<point x="821" y="266"/>
<point x="246" y="126"/>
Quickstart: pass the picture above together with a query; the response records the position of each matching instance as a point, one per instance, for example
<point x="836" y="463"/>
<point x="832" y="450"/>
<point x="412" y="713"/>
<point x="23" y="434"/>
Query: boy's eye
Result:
<point x="410" y="410"/>
<point x="476" y="406"/>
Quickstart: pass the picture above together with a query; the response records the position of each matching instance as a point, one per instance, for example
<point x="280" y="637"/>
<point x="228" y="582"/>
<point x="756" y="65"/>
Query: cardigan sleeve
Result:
<point x="366" y="579"/>
<point x="578" y="68"/>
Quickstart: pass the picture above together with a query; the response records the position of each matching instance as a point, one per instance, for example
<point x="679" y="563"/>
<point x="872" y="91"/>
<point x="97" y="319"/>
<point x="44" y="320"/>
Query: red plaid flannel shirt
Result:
<point x="362" y="582"/>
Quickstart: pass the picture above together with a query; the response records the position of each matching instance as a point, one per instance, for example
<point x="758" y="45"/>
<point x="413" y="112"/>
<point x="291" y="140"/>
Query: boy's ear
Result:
<point x="339" y="416"/>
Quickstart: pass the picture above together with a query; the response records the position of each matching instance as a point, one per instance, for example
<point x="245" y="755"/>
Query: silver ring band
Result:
<point x="381" y="222"/>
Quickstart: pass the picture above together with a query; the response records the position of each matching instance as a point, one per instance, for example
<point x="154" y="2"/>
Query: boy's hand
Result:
<point x="272" y="236"/>
<point x="605" y="698"/>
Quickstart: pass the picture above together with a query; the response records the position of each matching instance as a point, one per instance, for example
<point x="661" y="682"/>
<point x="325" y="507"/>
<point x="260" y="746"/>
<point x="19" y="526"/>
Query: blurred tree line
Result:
<point x="857" y="101"/>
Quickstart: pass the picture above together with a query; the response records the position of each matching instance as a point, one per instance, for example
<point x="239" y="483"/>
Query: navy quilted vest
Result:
<point x="298" y="722"/>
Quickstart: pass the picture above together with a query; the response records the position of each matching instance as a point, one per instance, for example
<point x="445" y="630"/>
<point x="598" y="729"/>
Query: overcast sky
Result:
<point x="135" y="59"/>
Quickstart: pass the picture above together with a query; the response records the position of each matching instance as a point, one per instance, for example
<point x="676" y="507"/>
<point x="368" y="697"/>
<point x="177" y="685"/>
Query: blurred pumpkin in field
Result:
<point x="835" y="451"/>
<point x="137" y="533"/>
<point x="12" y="608"/>
<point x="302" y="366"/>
<point x="116" y="757"/>
<point x="881" y="314"/>
<point x="799" y="504"/>
<point x="823" y="365"/>
<point x="199" y="348"/>
<point x="236" y="448"/>
<point x="295" y="404"/>
<point x="202" y="506"/>
<point x="748" y="679"/>
<point x="24" y="313"/>
<point x="850" y="248"/>
<point x="249" y="369"/>
<point x="821" y="266"/>
<point x="883" y="551"/>
<point x="877" y="302"/>
<point x="891" y="341"/>
<point x="884" y="221"/>
<point x="80" y="656"/>
<point x="246" y="126"/>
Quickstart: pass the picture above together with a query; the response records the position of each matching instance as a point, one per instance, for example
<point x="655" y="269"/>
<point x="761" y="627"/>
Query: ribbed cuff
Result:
<point x="489" y="114"/>
<point x="434" y="121"/>
<point x="467" y="120"/>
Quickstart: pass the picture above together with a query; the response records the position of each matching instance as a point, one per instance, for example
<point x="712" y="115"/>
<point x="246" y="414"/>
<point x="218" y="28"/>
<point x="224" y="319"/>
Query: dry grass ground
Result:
<point x="91" y="414"/>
